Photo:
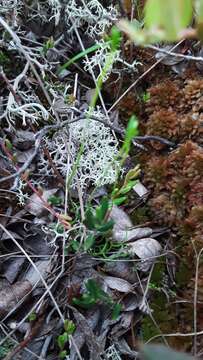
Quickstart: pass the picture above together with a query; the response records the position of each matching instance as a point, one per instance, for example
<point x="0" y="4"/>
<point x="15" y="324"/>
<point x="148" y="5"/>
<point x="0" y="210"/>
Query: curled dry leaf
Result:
<point x="121" y="219"/>
<point x="123" y="230"/>
<point x="133" y="234"/>
<point x="43" y="267"/>
<point x="121" y="269"/>
<point x="145" y="249"/>
<point x="123" y="325"/>
<point x="35" y="205"/>
<point x="118" y="284"/>
<point x="132" y="302"/>
<point x="10" y="295"/>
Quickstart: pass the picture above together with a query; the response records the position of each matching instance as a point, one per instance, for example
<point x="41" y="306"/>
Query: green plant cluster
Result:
<point x="94" y="295"/>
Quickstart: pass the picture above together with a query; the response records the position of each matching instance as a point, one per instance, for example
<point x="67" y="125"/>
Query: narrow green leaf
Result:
<point x="116" y="311"/>
<point x="102" y="209"/>
<point x="90" y="220"/>
<point x="69" y="327"/>
<point x="63" y="354"/>
<point x="115" y="38"/>
<point x="79" y="56"/>
<point x="128" y="187"/>
<point x="62" y="340"/>
<point x="132" y="174"/>
<point x="199" y="10"/>
<point x="106" y="227"/>
<point x="132" y="128"/>
<point x="199" y="18"/>
<point x="8" y="144"/>
<point x="119" y="200"/>
<point x="89" y="242"/>
<point x="170" y="16"/>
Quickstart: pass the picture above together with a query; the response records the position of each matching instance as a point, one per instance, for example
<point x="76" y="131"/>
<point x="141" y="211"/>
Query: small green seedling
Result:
<point x="118" y="196"/>
<point x="55" y="200"/>
<point x="48" y="45"/>
<point x="32" y="317"/>
<point x="95" y="220"/>
<point x="94" y="295"/>
<point x="62" y="339"/>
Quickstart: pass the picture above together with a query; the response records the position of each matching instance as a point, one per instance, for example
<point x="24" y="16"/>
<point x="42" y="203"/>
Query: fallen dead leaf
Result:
<point x="145" y="248"/>
<point x="118" y="284"/>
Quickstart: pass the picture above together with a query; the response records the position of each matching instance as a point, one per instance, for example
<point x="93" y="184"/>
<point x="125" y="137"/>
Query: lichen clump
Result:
<point x="97" y="165"/>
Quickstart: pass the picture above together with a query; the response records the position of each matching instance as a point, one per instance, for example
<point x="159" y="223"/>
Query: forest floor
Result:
<point x="96" y="259"/>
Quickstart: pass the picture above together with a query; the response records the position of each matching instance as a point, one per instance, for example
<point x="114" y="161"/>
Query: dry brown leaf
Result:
<point x="118" y="284"/>
<point x="145" y="249"/>
<point x="10" y="295"/>
<point x="123" y="230"/>
<point x="35" y="205"/>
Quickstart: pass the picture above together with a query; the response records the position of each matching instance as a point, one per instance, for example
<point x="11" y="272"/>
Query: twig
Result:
<point x="178" y="55"/>
<point x="10" y="87"/>
<point x="41" y="133"/>
<point x="30" y="61"/>
<point x="198" y="333"/>
<point x="55" y="170"/>
<point x="141" y="77"/>
<point x="36" y="269"/>
<point x="34" y="331"/>
<point x="155" y="138"/>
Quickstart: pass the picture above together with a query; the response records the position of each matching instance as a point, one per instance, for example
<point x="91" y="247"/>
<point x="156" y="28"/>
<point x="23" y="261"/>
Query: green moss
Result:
<point x="140" y="215"/>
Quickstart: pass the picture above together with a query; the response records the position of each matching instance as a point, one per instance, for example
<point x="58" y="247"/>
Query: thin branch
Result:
<point x="30" y="61"/>
<point x="141" y="77"/>
<point x="177" y="55"/>
<point x="41" y="133"/>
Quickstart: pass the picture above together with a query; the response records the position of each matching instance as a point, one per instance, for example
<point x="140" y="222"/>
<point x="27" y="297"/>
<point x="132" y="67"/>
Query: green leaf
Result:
<point x="79" y="56"/>
<point x="159" y="352"/>
<point x="69" y="327"/>
<point x="106" y="227"/>
<point x="55" y="200"/>
<point x="101" y="210"/>
<point x="8" y="144"/>
<point x="199" y="18"/>
<point x="75" y="245"/>
<point x="62" y="340"/>
<point x="132" y="174"/>
<point x="63" y="354"/>
<point x="86" y="301"/>
<point x="89" y="242"/>
<point x="32" y="316"/>
<point x="131" y="132"/>
<point x="119" y="200"/>
<point x="115" y="38"/>
<point x="199" y="10"/>
<point x="90" y="220"/>
<point x="116" y="311"/>
<point x="132" y="128"/>
<point x="128" y="187"/>
<point x="170" y="16"/>
<point x="92" y="287"/>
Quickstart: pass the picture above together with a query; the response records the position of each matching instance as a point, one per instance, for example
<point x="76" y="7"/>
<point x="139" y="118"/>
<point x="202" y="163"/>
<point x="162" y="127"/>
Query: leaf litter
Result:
<point x="60" y="266"/>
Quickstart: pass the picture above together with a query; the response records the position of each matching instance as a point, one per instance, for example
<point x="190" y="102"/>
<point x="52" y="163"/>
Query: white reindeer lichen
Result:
<point x="98" y="164"/>
<point x="92" y="14"/>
